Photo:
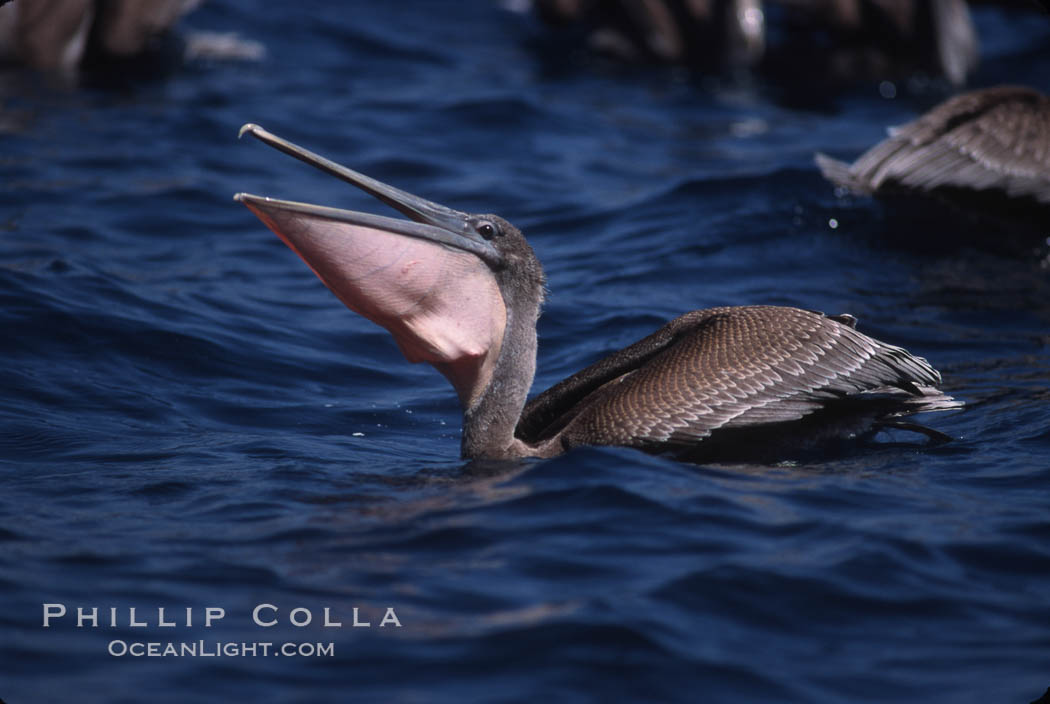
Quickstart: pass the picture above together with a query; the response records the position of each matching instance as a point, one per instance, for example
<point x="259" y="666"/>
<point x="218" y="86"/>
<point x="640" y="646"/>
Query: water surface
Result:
<point x="189" y="419"/>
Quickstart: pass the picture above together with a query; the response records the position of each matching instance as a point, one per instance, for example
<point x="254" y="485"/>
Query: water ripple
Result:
<point x="188" y="418"/>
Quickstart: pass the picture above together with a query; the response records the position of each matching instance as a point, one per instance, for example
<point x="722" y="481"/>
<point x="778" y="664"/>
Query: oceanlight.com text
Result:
<point x="213" y="649"/>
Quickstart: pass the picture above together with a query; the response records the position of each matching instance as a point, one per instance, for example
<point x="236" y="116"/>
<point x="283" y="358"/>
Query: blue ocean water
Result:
<point x="190" y="420"/>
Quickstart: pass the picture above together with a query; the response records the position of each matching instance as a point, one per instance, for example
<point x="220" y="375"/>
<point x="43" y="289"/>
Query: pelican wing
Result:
<point x="725" y="368"/>
<point x="992" y="139"/>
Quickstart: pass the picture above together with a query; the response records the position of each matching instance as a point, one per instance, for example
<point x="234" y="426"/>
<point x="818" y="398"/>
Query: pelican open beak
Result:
<point x="430" y="221"/>
<point x="430" y="280"/>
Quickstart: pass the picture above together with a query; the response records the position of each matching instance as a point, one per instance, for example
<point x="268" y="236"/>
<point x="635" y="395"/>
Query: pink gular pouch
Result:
<point x="428" y="285"/>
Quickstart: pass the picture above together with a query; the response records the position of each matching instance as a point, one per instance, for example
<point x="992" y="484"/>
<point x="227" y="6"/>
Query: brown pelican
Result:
<point x="60" y="34"/>
<point x="695" y="32"/>
<point x="463" y="292"/>
<point x="995" y="140"/>
<point x="840" y="39"/>
<point x="882" y="38"/>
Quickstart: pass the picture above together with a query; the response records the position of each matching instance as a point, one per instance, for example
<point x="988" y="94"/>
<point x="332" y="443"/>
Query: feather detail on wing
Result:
<point x="730" y="368"/>
<point x="992" y="139"/>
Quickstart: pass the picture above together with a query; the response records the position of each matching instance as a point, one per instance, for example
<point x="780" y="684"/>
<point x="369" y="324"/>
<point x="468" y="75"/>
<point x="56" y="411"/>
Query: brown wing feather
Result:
<point x="737" y="367"/>
<point x="992" y="139"/>
<point x="548" y="413"/>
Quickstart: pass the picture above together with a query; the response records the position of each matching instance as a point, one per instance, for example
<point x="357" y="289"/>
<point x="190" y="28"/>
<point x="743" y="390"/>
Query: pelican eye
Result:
<point x="487" y="229"/>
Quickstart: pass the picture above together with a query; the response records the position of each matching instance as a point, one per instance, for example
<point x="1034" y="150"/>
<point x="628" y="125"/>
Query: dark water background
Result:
<point x="189" y="419"/>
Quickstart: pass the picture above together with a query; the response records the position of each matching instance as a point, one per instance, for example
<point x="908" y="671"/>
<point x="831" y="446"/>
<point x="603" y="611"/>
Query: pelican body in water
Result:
<point x="62" y="34"/>
<point x="994" y="140"/>
<point x="463" y="292"/>
<point x="984" y="155"/>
